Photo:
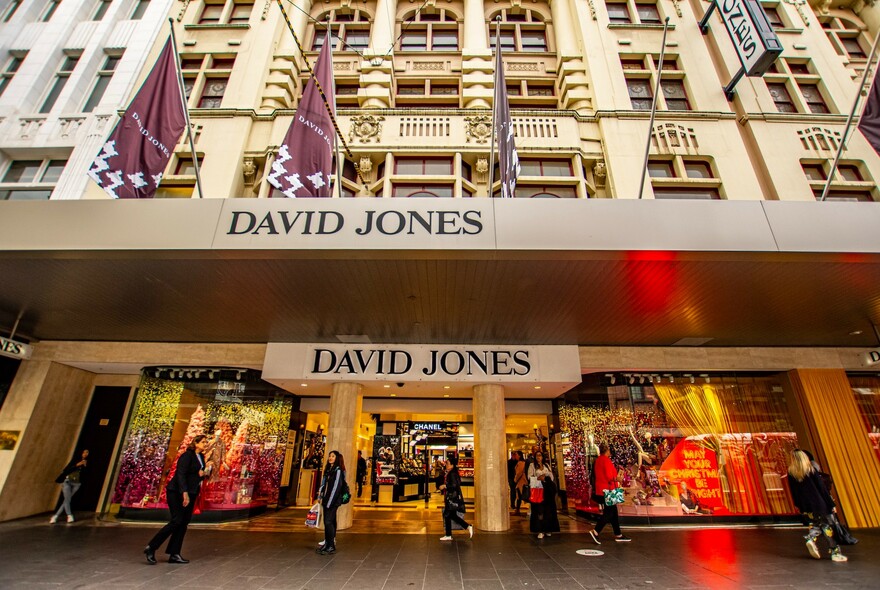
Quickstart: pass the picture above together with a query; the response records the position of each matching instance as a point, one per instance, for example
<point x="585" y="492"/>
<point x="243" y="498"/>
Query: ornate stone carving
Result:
<point x="671" y="137"/>
<point x="249" y="171"/>
<point x="365" y="165"/>
<point x="68" y="126"/>
<point x="478" y="128"/>
<point x="182" y="10"/>
<point x="266" y="9"/>
<point x="676" y="4"/>
<point x="799" y="6"/>
<point x="366" y="128"/>
<point x="600" y="174"/>
<point x="592" y="9"/>
<point x="29" y="127"/>
<point x="342" y="65"/>
<point x="482" y="165"/>
<point x="429" y="65"/>
<point x="819" y="139"/>
<point x="522" y="67"/>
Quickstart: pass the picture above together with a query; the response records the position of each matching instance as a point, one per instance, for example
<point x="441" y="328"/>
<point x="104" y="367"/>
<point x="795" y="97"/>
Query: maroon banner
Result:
<point x="131" y="164"/>
<point x="869" y="124"/>
<point x="304" y="165"/>
<point x="508" y="159"/>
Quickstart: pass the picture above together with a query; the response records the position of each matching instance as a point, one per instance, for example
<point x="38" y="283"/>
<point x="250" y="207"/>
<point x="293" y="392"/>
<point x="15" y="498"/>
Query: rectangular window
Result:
<point x="61" y="78"/>
<point x="414" y="41"/>
<point x="241" y="14"/>
<point x="525" y="191"/>
<point x="101" y="10"/>
<point x="507" y="39"/>
<point x="444" y="40"/>
<point x="53" y="171"/>
<point x="698" y="170"/>
<point x="533" y="41"/>
<point x="814" y="172"/>
<point x="773" y="17"/>
<point x="9" y="72"/>
<point x="648" y="13"/>
<point x="843" y="195"/>
<point x="139" y="9"/>
<point x="184" y="167"/>
<point x="813" y="98"/>
<point x="211" y="14"/>
<point x="425" y="190"/>
<point x="674" y="192"/>
<point x="852" y="47"/>
<point x="10" y="10"/>
<point x="444" y="89"/>
<point x="31" y="172"/>
<point x="545" y="167"/>
<point x="632" y="63"/>
<point x="356" y="39"/>
<point x="661" y="169"/>
<point x="222" y="63"/>
<point x="410" y="89"/>
<point x="22" y="171"/>
<point x="105" y="74"/>
<point x="423" y="166"/>
<point x="850" y="173"/>
<point x="618" y="12"/>
<point x="212" y="93"/>
<point x="781" y="97"/>
<point x="50" y="10"/>
<point x="675" y="95"/>
<point x="640" y="94"/>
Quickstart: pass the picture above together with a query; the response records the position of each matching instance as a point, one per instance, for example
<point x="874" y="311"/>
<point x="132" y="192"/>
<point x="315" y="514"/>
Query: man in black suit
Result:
<point x="361" y="473"/>
<point x="181" y="492"/>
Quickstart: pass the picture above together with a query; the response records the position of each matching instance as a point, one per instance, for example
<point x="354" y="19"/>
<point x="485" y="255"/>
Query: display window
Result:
<point x="866" y="389"/>
<point x="246" y="420"/>
<point x="693" y="446"/>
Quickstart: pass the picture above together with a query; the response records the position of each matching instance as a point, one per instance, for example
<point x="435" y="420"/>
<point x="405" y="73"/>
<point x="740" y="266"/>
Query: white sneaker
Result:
<point x="471" y="531"/>
<point x="595" y="537"/>
<point x="53" y="520"/>
<point x="446" y="538"/>
<point x="70" y="518"/>
<point x="840" y="557"/>
<point x="540" y="535"/>
<point x="814" y="551"/>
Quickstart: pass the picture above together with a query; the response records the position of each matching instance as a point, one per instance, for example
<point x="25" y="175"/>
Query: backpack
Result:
<point x="346" y="492"/>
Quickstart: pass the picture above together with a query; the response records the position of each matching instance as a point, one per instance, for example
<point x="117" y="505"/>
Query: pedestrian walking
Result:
<point x="607" y="479"/>
<point x="181" y="493"/>
<point x="70" y="480"/>
<point x="811" y="497"/>
<point x="520" y="479"/>
<point x="361" y="473"/>
<point x="454" y="501"/>
<point x="330" y="495"/>
<point x="511" y="477"/>
<point x="543" y="518"/>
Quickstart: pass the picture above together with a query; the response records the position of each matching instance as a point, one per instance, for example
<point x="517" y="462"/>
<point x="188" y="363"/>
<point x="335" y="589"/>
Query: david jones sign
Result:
<point x="430" y="362"/>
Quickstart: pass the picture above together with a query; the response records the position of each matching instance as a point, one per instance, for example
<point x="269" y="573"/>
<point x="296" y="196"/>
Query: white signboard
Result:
<point x="872" y="357"/>
<point x="756" y="44"/>
<point x="15" y="349"/>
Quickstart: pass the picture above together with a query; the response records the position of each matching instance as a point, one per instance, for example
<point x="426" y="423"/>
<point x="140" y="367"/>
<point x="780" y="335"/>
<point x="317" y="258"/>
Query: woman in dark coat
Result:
<point x="181" y="492"/>
<point x="543" y="518"/>
<point x="330" y="496"/>
<point x="454" y="501"/>
<point x="71" y="480"/>
<point x="812" y="498"/>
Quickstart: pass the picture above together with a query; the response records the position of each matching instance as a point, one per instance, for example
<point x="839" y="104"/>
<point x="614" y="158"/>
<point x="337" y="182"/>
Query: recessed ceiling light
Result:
<point x="386" y="386"/>
<point x="303" y="384"/>
<point x="445" y="395"/>
<point x="445" y="387"/>
<point x="537" y="387"/>
<point x="855" y="332"/>
<point x="393" y="395"/>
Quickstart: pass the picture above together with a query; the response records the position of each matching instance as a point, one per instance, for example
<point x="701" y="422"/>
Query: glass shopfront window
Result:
<point x="246" y="420"/>
<point x="866" y="389"/>
<point x="687" y="445"/>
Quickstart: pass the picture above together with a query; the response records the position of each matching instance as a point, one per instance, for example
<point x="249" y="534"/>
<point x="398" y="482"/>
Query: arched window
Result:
<point x="523" y="30"/>
<point x="431" y="29"/>
<point x="350" y="30"/>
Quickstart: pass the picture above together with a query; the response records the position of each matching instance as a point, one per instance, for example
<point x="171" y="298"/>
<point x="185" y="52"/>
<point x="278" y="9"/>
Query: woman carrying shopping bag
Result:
<point x="454" y="501"/>
<point x="608" y="494"/>
<point x="331" y="496"/>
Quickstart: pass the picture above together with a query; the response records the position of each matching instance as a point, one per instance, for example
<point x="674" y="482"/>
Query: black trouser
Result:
<point x="176" y="527"/>
<point x="360" y="485"/>
<point x="609" y="515"/>
<point x="330" y="527"/>
<point x="513" y="495"/>
<point x="451" y="515"/>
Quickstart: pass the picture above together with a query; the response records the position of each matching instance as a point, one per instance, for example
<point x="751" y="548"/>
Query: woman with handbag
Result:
<point x="812" y="498"/>
<point x="605" y="493"/>
<point x="71" y="482"/>
<point x="330" y="495"/>
<point x="543" y="518"/>
<point x="454" y="501"/>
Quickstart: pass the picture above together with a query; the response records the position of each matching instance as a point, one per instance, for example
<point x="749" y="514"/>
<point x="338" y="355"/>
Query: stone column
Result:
<point x="476" y="58"/>
<point x="574" y="84"/>
<point x="490" y="459"/>
<point x="378" y="69"/>
<point x="46" y="406"/>
<point x="345" y="413"/>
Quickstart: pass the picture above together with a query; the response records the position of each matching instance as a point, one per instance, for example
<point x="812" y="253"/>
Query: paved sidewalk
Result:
<point x="34" y="554"/>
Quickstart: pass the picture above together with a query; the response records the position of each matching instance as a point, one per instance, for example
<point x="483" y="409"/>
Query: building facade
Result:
<point x="183" y="302"/>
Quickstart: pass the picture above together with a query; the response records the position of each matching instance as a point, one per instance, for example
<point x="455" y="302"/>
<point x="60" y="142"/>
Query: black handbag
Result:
<point x="526" y="494"/>
<point x="841" y="531"/>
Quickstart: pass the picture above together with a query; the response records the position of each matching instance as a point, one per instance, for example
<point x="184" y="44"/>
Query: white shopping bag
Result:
<point x="313" y="518"/>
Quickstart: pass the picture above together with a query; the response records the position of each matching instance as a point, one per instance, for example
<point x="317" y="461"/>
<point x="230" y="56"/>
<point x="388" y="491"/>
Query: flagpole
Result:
<point x="192" y="145"/>
<point x="842" y="145"/>
<point x="653" y="108"/>
<point x="494" y="108"/>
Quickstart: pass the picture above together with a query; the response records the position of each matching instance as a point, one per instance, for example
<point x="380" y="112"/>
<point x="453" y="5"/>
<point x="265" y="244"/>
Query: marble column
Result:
<point x="345" y="414"/>
<point x="490" y="459"/>
<point x="377" y="71"/>
<point x="476" y="58"/>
